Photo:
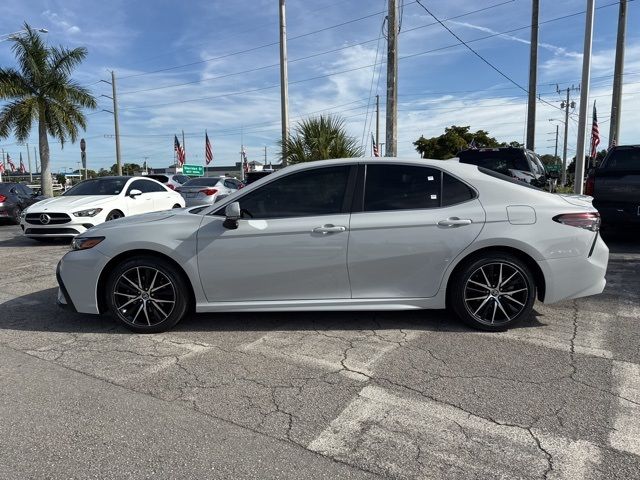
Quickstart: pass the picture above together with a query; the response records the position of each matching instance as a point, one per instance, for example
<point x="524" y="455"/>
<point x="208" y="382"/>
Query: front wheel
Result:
<point x="147" y="294"/>
<point x="493" y="292"/>
<point x="114" y="215"/>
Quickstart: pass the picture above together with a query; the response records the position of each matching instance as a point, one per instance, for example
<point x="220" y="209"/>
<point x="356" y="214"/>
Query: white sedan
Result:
<point x="95" y="201"/>
<point x="353" y="234"/>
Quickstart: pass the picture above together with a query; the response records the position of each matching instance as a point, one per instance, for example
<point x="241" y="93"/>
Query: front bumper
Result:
<point x="575" y="277"/>
<point x="70" y="229"/>
<point x="77" y="274"/>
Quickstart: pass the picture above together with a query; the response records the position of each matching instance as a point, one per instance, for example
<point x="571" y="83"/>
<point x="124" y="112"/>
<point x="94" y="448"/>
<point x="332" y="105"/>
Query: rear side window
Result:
<point x="624" y="159"/>
<point x="500" y="160"/>
<point x="160" y="178"/>
<point x="181" y="178"/>
<point x="401" y="187"/>
<point x="454" y="191"/>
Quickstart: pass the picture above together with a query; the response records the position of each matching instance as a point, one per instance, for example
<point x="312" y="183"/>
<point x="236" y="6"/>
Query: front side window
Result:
<point x="320" y="191"/>
<point x="98" y="186"/>
<point x="401" y="187"/>
<point x="142" y="185"/>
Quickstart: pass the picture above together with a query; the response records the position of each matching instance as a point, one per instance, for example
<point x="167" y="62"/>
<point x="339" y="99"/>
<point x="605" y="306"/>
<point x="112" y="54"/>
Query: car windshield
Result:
<point x="624" y="159"/>
<point x="6" y="187"/>
<point x="202" y="182"/>
<point x="98" y="186"/>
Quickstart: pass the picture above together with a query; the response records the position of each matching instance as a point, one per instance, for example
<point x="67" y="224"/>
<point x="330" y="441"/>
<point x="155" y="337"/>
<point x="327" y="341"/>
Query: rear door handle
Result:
<point x="454" y="222"/>
<point x="329" y="229"/>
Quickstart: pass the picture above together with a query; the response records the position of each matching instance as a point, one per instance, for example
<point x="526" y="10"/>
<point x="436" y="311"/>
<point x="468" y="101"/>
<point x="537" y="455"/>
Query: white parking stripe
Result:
<point x="626" y="433"/>
<point x="424" y="438"/>
<point x="351" y="352"/>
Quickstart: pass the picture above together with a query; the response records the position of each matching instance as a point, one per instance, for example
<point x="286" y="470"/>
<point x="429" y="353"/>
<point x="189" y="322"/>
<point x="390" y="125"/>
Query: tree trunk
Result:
<point x="45" y="168"/>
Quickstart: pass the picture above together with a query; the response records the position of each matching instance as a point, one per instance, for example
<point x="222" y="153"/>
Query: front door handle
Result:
<point x="329" y="229"/>
<point x="454" y="222"/>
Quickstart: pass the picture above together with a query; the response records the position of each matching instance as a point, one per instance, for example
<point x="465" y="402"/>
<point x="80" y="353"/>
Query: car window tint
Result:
<point x="202" y="182"/>
<point x="401" y="187"/>
<point x="160" y="178"/>
<point x="143" y="185"/>
<point x="181" y="178"/>
<point x="230" y="184"/>
<point x="624" y="159"/>
<point x="319" y="191"/>
<point x="454" y="191"/>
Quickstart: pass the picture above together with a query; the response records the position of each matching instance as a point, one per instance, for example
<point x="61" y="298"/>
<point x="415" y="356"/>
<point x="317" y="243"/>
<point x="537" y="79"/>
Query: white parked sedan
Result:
<point x="354" y="234"/>
<point x="94" y="201"/>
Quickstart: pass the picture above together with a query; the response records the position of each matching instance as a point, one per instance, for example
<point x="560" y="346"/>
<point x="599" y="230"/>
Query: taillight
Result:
<point x="209" y="191"/>
<point x="171" y="186"/>
<point x="2" y="198"/>
<point x="590" y="186"/>
<point x="588" y="221"/>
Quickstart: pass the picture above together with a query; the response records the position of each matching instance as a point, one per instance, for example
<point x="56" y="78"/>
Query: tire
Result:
<point x="500" y="306"/>
<point x="114" y="215"/>
<point x="15" y="219"/>
<point x="162" y="301"/>
<point x="176" y="206"/>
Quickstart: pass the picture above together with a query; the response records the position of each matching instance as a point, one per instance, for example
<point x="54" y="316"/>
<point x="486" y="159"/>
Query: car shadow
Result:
<point x="22" y="241"/>
<point x="622" y="241"/>
<point x="37" y="312"/>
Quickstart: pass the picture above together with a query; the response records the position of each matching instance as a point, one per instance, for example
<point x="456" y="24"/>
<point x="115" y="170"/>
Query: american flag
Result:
<point x="10" y="163"/>
<point x="376" y="150"/>
<point x="22" y="169"/>
<point x="595" y="133"/>
<point x="208" y="152"/>
<point x="179" y="150"/>
<point x="1" y="167"/>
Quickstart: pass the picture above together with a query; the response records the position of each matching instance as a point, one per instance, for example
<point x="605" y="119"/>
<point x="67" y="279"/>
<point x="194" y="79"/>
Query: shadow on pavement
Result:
<point x="622" y="241"/>
<point x="38" y="312"/>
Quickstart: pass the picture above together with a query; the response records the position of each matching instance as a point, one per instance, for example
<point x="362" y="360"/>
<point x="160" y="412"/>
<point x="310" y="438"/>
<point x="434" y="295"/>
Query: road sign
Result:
<point x="193" y="170"/>
<point x="553" y="168"/>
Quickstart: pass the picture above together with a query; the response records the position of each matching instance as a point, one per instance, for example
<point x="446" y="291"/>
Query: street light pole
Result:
<point x="115" y="119"/>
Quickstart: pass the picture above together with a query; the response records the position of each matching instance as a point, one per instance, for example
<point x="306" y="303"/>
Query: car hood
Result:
<point x="71" y="202"/>
<point x="135" y="220"/>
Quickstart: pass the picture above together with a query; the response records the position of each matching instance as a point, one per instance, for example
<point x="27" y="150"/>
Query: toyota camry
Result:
<point x="352" y="234"/>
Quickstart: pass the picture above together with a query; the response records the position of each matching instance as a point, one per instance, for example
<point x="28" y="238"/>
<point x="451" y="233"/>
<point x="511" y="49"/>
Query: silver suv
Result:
<point x="171" y="180"/>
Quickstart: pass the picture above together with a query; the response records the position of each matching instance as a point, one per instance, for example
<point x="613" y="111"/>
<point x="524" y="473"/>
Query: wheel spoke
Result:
<point x="509" y="297"/>
<point x="128" y="295"/>
<point x="161" y="286"/>
<point x="503" y="310"/>
<point x="486" y="287"/>
<point x="476" y="298"/>
<point x="153" y="302"/>
<point x="146" y="314"/>
<point x="511" y="292"/>
<point x="508" y="279"/>
<point x="485" y="277"/>
<point x="481" y="305"/>
<point x="495" y="307"/>
<point x="139" y="279"/>
<point x="162" y="301"/>
<point x="129" y="302"/>
<point x="137" y="313"/>
<point x="500" y="277"/>
<point x="153" y="282"/>
<point x="134" y="285"/>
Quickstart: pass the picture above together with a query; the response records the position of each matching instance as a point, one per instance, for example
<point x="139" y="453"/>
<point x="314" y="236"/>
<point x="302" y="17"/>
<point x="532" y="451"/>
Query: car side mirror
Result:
<point x="232" y="215"/>
<point x="134" y="193"/>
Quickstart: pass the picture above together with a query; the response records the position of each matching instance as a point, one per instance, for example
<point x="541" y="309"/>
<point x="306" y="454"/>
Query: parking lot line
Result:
<point x="352" y="353"/>
<point x="424" y="438"/>
<point x="626" y="433"/>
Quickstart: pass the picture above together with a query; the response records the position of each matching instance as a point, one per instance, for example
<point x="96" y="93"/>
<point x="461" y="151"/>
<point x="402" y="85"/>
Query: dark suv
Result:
<point x="519" y="163"/>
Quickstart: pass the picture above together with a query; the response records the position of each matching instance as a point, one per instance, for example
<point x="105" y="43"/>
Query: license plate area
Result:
<point x="192" y="195"/>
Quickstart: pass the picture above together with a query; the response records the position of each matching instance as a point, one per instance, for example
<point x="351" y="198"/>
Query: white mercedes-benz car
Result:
<point x="353" y="234"/>
<point x="95" y="201"/>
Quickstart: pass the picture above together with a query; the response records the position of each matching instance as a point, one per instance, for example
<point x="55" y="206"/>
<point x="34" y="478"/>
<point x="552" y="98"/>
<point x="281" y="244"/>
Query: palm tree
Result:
<point x="42" y="90"/>
<point x="319" y="138"/>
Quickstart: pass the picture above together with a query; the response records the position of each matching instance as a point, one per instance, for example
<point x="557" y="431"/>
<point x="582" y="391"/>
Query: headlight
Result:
<point x="83" y="243"/>
<point x="91" y="212"/>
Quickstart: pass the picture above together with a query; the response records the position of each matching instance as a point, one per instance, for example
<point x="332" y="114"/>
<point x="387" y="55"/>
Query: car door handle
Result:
<point x="454" y="222"/>
<point x="329" y="229"/>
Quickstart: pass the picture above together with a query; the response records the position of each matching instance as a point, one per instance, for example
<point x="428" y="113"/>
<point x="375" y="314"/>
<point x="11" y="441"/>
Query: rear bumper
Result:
<point x="620" y="213"/>
<point x="575" y="277"/>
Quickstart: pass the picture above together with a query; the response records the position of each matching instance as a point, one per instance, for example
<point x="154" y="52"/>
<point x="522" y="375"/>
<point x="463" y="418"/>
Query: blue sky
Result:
<point x="201" y="81"/>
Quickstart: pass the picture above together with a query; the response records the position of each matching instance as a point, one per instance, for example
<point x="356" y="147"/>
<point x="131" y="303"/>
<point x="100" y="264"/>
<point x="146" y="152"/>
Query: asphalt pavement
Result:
<point x="317" y="395"/>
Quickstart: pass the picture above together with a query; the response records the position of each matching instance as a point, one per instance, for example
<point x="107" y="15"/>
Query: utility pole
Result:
<point x="36" y="157"/>
<point x="115" y="119"/>
<point x="392" y="80"/>
<point x="29" y="161"/>
<point x="184" y="148"/>
<point x="265" y="155"/>
<point x="565" y="104"/>
<point x="616" y="101"/>
<point x="533" y="73"/>
<point x="555" y="155"/>
<point x="284" y="82"/>
<point x="584" y="97"/>
<point x="378" y="122"/>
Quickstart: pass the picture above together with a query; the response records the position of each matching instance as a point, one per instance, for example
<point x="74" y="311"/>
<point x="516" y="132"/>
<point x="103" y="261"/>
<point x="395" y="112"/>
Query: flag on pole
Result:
<point x="10" y="163"/>
<point x="595" y="133"/>
<point x="179" y="150"/>
<point x="22" y="169"/>
<point x="1" y="167"/>
<point x="208" y="152"/>
<point x="376" y="150"/>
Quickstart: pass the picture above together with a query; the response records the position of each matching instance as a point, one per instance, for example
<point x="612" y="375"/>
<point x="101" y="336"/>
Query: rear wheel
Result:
<point x="15" y="218"/>
<point x="147" y="294"/>
<point x="177" y="206"/>
<point x="493" y="292"/>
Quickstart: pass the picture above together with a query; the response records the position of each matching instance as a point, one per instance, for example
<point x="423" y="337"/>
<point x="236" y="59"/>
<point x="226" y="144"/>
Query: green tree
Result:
<point x="320" y="138"/>
<point x="103" y="173"/>
<point x="127" y="169"/>
<point x="41" y="90"/>
<point x="62" y="179"/>
<point x="454" y="139"/>
<point x="548" y="159"/>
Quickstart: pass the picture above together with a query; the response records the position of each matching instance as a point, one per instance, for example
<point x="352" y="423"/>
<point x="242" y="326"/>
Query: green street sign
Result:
<point x="193" y="170"/>
<point x="553" y="168"/>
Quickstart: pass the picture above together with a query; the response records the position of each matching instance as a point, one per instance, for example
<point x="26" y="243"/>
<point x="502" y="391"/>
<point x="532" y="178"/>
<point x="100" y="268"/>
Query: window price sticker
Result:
<point x="434" y="197"/>
<point x="430" y="178"/>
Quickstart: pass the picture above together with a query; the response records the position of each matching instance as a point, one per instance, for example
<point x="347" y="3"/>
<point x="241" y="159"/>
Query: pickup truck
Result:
<point x="615" y="186"/>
